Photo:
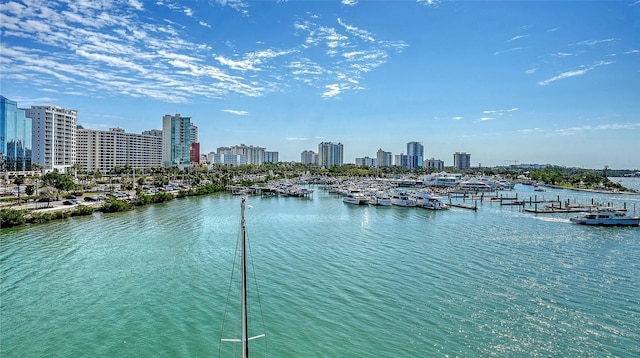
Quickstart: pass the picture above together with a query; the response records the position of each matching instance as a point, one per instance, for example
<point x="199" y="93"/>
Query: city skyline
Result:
<point x="532" y="82"/>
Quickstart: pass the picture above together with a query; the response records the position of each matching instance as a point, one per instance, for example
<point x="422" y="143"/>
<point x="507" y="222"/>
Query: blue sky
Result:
<point x="529" y="81"/>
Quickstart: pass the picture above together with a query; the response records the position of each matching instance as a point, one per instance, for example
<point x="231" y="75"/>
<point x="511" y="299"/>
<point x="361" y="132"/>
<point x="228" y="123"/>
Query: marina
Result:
<point x="335" y="280"/>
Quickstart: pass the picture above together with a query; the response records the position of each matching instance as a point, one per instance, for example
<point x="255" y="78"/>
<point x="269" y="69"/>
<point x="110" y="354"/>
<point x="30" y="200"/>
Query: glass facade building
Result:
<point x="15" y="137"/>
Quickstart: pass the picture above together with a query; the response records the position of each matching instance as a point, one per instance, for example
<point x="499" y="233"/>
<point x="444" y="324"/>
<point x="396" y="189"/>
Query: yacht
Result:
<point x="606" y="217"/>
<point x="355" y="198"/>
<point x="428" y="200"/>
<point x="402" y="199"/>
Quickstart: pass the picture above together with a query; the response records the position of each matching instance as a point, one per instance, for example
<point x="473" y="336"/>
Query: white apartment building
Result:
<point x="366" y="162"/>
<point x="435" y="164"/>
<point x="271" y="157"/>
<point x="384" y="159"/>
<point x="252" y="155"/>
<point x="309" y="157"/>
<point x="330" y="154"/>
<point x="104" y="150"/>
<point x="53" y="137"/>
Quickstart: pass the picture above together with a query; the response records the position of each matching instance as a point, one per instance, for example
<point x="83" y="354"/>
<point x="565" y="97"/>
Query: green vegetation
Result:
<point x="10" y="218"/>
<point x="575" y="178"/>
<point x="113" y="205"/>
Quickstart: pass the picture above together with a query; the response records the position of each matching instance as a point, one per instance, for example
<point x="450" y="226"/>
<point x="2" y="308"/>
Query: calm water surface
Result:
<point x="335" y="280"/>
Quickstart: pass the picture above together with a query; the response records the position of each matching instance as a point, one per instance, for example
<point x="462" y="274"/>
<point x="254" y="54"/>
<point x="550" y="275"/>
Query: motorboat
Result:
<point x="428" y="200"/>
<point x="402" y="199"/>
<point x="380" y="199"/>
<point x="606" y="217"/>
<point x="355" y="198"/>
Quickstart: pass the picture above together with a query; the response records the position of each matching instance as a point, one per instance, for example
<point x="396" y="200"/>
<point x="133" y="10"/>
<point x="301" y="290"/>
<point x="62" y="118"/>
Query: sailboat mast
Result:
<point x="245" y="323"/>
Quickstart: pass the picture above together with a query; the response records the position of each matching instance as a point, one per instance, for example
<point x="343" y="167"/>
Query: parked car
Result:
<point x="70" y="202"/>
<point x="91" y="198"/>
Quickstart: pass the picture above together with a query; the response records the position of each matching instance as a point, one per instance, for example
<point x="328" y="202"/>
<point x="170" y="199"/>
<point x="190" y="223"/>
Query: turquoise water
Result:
<point x="335" y="280"/>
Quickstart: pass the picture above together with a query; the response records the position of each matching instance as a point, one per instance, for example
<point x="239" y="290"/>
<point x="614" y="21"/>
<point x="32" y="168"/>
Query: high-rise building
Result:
<point x="195" y="153"/>
<point x="366" y="162"/>
<point x="15" y="137"/>
<point x="104" y="150"/>
<point x="309" y="157"/>
<point x="271" y="157"/>
<point x="193" y="130"/>
<point x="461" y="160"/>
<point x="434" y="164"/>
<point x="53" y="136"/>
<point x="415" y="154"/>
<point x="384" y="159"/>
<point x="176" y="140"/>
<point x="330" y="154"/>
<point x="402" y="160"/>
<point x="251" y="154"/>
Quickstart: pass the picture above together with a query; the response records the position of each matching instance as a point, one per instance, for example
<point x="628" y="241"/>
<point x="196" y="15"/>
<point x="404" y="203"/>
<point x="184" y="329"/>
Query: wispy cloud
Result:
<point x="517" y="38"/>
<point x="236" y="112"/>
<point x="429" y="2"/>
<point x="486" y="118"/>
<point x="507" y="51"/>
<point x="457" y="118"/>
<point x="298" y="138"/>
<point x="107" y="48"/>
<point x="575" y="130"/>
<point x="500" y="112"/>
<point x="349" y="2"/>
<point x="574" y="73"/>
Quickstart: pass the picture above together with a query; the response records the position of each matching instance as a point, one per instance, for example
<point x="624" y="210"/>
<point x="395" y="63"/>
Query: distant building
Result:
<point x="384" y="159"/>
<point x="53" y="137"/>
<point x="434" y="164"/>
<point x="229" y="159"/>
<point x="415" y="155"/>
<point x="461" y="160"/>
<point x="104" y="150"/>
<point x="153" y="133"/>
<point x="271" y="157"/>
<point x="194" y="156"/>
<point x="193" y="133"/>
<point x="330" y="154"/>
<point x="309" y="157"/>
<point x="251" y="154"/>
<point x="402" y="160"/>
<point x="366" y="162"/>
<point x="15" y="137"/>
<point x="176" y="140"/>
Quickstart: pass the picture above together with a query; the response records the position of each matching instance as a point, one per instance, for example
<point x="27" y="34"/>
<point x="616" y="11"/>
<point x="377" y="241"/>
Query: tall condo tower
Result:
<point x="54" y="137"/>
<point x="415" y="155"/>
<point x="330" y="154"/>
<point x="176" y="140"/>
<point x="15" y="137"/>
<point x="461" y="160"/>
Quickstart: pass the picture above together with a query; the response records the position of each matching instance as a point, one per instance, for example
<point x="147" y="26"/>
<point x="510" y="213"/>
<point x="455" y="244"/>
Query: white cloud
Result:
<point x="236" y="112"/>
<point x="429" y="2"/>
<point x="517" y="38"/>
<point x="349" y="2"/>
<point x="457" y="118"/>
<point x="486" y="118"/>
<point x="298" y="138"/>
<point x="574" y="73"/>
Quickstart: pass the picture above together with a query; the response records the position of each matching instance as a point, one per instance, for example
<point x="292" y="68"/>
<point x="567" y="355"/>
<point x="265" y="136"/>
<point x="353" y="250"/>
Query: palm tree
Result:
<point x="19" y="180"/>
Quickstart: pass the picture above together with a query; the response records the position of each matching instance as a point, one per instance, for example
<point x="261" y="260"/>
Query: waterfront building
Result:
<point x="415" y="155"/>
<point x="252" y="154"/>
<point x="15" y="137"/>
<point x="402" y="160"/>
<point x="366" y="162"/>
<point x="309" y="157"/>
<point x="195" y="153"/>
<point x="53" y="137"/>
<point x="193" y="132"/>
<point x="153" y="133"/>
<point x="330" y="154"/>
<point x="104" y="150"/>
<point x="461" y="160"/>
<point x="434" y="164"/>
<point x="229" y="159"/>
<point x="383" y="159"/>
<point x="271" y="157"/>
<point x="176" y="140"/>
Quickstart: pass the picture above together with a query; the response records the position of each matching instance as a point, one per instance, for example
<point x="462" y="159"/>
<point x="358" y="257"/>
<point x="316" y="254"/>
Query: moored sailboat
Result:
<point x="245" y="338"/>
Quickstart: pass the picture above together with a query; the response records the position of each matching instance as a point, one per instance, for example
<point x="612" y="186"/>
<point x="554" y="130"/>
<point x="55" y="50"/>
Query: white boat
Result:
<point x="245" y="338"/>
<point x="355" y="198"/>
<point x="475" y="185"/>
<point x="428" y="200"/>
<point x="606" y="217"/>
<point x="380" y="199"/>
<point x="402" y="199"/>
